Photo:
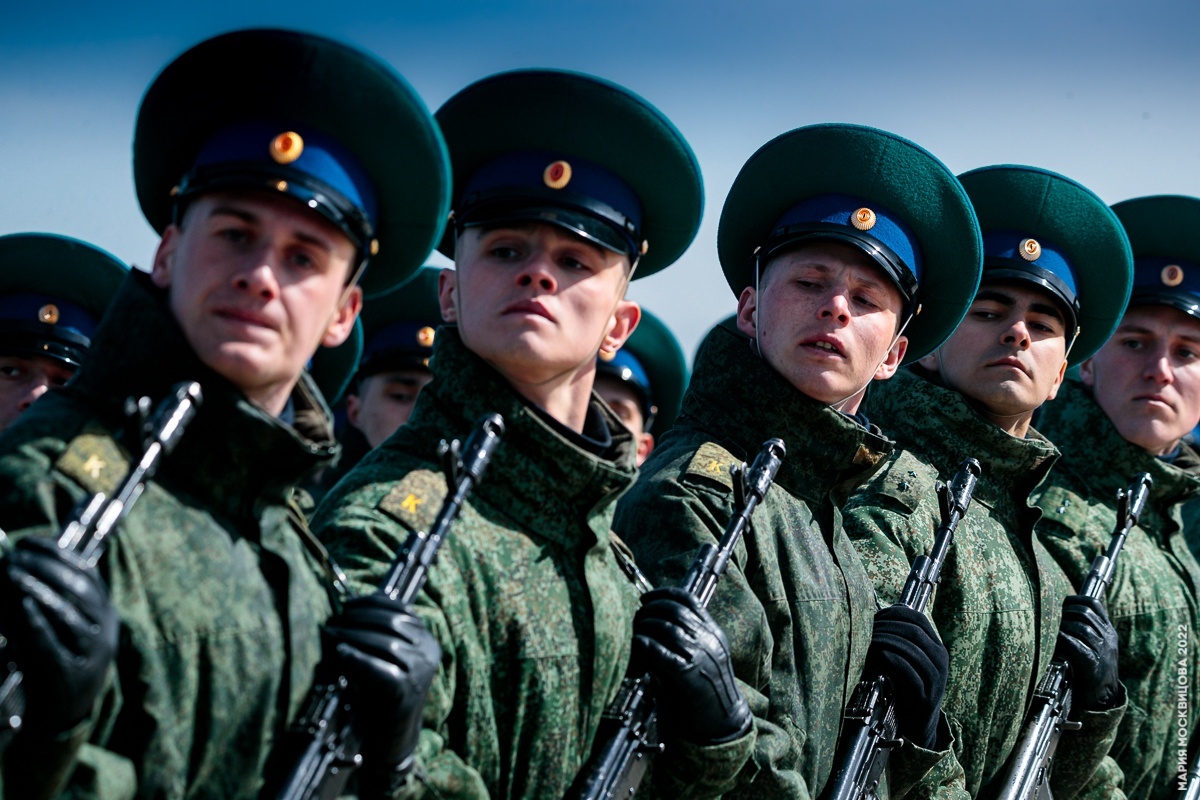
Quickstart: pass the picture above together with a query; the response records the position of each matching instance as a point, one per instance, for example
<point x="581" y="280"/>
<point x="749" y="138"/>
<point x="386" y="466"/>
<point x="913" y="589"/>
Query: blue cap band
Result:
<point x="1167" y="282"/>
<point x="534" y="185"/>
<point x="41" y="309"/>
<point x="879" y="232"/>
<point x="299" y="161"/>
<point x="1002" y="260"/>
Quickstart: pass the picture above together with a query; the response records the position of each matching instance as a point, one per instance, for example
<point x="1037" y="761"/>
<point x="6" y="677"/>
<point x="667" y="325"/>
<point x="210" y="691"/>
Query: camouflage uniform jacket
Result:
<point x="999" y="605"/>
<point x="796" y="605"/>
<point x="527" y="598"/>
<point x="220" y="588"/>
<point x="1152" y="599"/>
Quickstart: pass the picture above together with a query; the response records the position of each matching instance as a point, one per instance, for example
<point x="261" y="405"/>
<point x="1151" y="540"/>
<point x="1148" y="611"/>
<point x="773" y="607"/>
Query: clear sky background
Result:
<point x="1104" y="91"/>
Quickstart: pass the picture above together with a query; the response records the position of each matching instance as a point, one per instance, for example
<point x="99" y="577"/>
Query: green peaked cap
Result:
<point x="573" y="115"/>
<point x="301" y="79"/>
<point x="884" y="170"/>
<point x="1068" y="218"/>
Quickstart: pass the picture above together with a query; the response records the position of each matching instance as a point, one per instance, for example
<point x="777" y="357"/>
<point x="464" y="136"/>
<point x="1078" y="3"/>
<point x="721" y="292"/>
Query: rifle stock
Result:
<point x="869" y="726"/>
<point x="628" y="733"/>
<point x="1028" y="775"/>
<point x="322" y="747"/>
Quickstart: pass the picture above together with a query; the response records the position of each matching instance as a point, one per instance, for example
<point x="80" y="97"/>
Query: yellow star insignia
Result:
<point x="410" y="504"/>
<point x="93" y="465"/>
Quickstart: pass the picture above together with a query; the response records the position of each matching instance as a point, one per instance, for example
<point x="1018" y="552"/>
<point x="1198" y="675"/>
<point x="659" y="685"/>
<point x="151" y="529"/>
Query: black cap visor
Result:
<point x="1043" y="279"/>
<point x="31" y="339"/>
<point x="597" y="222"/>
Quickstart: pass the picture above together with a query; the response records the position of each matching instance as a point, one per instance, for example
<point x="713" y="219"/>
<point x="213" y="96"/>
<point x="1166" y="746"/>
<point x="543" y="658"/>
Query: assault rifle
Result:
<point x="628" y="731"/>
<point x="1192" y="792"/>
<point x="869" y="726"/>
<point x="1028" y="775"/>
<point x="97" y="517"/>
<point x="323" y="746"/>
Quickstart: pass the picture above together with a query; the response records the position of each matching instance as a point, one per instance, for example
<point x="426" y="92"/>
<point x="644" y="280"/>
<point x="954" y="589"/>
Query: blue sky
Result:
<point x="1105" y="92"/>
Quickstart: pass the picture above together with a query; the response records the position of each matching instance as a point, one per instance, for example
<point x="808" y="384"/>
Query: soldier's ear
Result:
<point x="448" y="294"/>
<point x="1087" y="373"/>
<point x="1062" y="373"/>
<point x="164" y="257"/>
<point x="747" y="313"/>
<point x="625" y="319"/>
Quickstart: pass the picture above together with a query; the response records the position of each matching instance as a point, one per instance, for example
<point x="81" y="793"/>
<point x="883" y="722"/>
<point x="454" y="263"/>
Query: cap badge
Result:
<point x="1029" y="249"/>
<point x="557" y="175"/>
<point x="48" y="314"/>
<point x="864" y="219"/>
<point x="374" y="247"/>
<point x="1172" y="275"/>
<point x="287" y="147"/>
<point x="425" y="336"/>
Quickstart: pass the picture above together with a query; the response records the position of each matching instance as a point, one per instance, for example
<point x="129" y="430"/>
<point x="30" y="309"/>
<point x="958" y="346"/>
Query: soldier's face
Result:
<point x="1147" y="377"/>
<point x="624" y="402"/>
<point x="23" y="380"/>
<point x="257" y="283"/>
<point x="826" y="318"/>
<point x="537" y="302"/>
<point x="384" y="402"/>
<point x="1009" y="354"/>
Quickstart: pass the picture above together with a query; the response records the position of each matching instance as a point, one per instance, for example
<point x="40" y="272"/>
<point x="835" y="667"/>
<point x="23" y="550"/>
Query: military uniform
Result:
<point x="220" y="588"/>
<point x="527" y="597"/>
<point x="999" y="602"/>
<point x="796" y="603"/>
<point x="1153" y="596"/>
<point x="998" y="607"/>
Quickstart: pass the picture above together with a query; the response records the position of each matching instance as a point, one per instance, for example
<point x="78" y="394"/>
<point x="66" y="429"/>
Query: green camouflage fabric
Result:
<point x="999" y="604"/>
<point x="527" y="598"/>
<point x="1152" y="600"/>
<point x="220" y="588"/>
<point x="796" y="605"/>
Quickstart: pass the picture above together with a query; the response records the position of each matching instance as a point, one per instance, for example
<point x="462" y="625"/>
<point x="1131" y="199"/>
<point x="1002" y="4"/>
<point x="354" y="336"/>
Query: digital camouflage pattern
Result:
<point x="527" y="600"/>
<point x="795" y="604"/>
<point x="209" y="669"/>
<point x="1152" y="600"/>
<point x="999" y="604"/>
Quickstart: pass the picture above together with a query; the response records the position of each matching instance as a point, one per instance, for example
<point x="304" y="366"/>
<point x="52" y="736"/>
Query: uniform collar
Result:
<point x="1105" y="461"/>
<point x="538" y="475"/>
<point x="736" y="395"/>
<point x="938" y="425"/>
<point x="241" y="452"/>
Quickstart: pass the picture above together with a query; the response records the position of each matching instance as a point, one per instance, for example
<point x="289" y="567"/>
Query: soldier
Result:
<point x="53" y="291"/>
<point x="1055" y="280"/>
<point x="271" y="200"/>
<point x="643" y="382"/>
<point x="566" y="187"/>
<point x="399" y="330"/>
<point x="850" y="249"/>
<point x="1139" y="396"/>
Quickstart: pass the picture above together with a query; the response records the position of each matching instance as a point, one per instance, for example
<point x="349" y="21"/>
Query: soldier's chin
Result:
<point x="245" y="366"/>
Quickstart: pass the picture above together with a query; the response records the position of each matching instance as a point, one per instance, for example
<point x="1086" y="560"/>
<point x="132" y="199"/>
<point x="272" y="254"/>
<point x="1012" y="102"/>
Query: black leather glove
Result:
<point x="389" y="659"/>
<point x="1088" y="642"/>
<point x="905" y="648"/>
<point x="62" y="629"/>
<point x="677" y="641"/>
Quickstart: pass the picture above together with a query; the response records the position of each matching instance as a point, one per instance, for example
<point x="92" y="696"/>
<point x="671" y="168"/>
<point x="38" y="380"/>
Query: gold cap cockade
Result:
<point x="557" y="175"/>
<point x="425" y="336"/>
<point x="48" y="314"/>
<point x="864" y="219"/>
<point x="1172" y="275"/>
<point x="1030" y="249"/>
<point x="287" y="147"/>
